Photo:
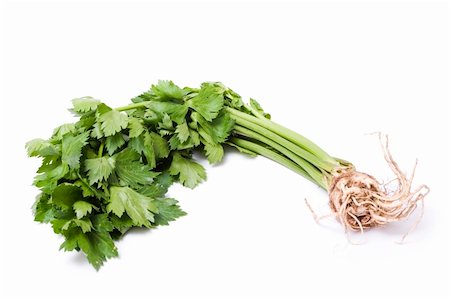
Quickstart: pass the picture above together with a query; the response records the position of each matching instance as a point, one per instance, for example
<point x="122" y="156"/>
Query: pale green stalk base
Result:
<point x="257" y="132"/>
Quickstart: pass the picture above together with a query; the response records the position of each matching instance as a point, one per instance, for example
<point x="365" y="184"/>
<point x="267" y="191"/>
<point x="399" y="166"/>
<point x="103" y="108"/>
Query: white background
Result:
<point x="333" y="71"/>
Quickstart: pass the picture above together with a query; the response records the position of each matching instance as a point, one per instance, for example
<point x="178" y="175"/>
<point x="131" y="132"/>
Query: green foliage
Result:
<point x="167" y="91"/>
<point x="98" y="246"/>
<point x="189" y="173"/>
<point x="99" y="169"/>
<point x="41" y="148"/>
<point x="131" y="171"/>
<point x="257" y="110"/>
<point x="214" y="152"/>
<point x="208" y="102"/>
<point x="85" y="104"/>
<point x="168" y="210"/>
<point x="136" y="127"/>
<point x="71" y="148"/>
<point x="112" y="122"/>
<point x="82" y="208"/>
<point x="114" y="142"/>
<point x="62" y="130"/>
<point x="65" y="195"/>
<point x="110" y="171"/>
<point x="138" y="207"/>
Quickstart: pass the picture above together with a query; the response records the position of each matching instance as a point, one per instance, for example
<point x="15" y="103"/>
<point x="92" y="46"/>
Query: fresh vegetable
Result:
<point x="110" y="170"/>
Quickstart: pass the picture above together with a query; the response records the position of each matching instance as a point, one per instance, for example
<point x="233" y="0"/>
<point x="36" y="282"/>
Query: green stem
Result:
<point x="263" y="151"/>
<point x="100" y="150"/>
<point x="313" y="172"/>
<point x="132" y="106"/>
<point x="287" y="134"/>
<point x="294" y="148"/>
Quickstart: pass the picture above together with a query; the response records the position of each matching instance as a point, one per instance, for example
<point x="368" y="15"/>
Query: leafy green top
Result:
<point x="110" y="171"/>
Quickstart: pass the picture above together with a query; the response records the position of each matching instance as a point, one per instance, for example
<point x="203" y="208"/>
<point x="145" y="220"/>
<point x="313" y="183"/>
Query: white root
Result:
<point x="360" y="202"/>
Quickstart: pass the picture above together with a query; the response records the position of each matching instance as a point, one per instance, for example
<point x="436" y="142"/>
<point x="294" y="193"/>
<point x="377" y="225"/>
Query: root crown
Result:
<point x="360" y="202"/>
